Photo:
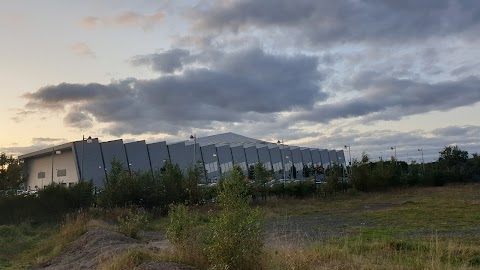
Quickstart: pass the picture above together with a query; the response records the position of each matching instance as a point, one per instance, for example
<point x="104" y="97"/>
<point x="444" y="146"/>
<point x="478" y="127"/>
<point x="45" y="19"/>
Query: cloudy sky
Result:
<point x="372" y="74"/>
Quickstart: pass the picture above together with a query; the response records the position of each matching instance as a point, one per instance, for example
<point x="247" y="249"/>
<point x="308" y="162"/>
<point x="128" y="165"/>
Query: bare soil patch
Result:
<point x="98" y="244"/>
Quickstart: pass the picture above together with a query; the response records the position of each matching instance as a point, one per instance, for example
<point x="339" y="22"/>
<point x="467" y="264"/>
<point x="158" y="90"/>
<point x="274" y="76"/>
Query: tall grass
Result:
<point x="358" y="253"/>
<point x="126" y="260"/>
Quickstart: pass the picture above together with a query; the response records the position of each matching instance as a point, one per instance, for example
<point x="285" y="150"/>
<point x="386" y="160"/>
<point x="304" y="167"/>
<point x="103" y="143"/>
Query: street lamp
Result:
<point x="423" y="162"/>
<point x="89" y="140"/>
<point x="218" y="166"/>
<point x="194" y="138"/>
<point x="349" y="157"/>
<point x="283" y="162"/>
<point x="394" y="148"/>
<point x="58" y="152"/>
<point x="291" y="167"/>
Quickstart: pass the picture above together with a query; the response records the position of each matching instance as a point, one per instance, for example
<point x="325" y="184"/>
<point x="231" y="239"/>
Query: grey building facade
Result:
<point x="217" y="154"/>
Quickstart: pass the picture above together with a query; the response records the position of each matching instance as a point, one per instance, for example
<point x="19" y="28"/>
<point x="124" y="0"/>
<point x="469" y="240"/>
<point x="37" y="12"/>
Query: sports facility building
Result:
<point x="91" y="159"/>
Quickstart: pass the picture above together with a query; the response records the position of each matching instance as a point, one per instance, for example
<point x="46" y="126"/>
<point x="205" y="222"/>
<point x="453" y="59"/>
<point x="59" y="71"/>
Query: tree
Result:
<point x="451" y="156"/>
<point x="10" y="172"/>
<point x="306" y="171"/>
<point x="192" y="179"/>
<point x="260" y="173"/>
<point x="452" y="163"/>
<point x="333" y="179"/>
<point x="251" y="172"/>
<point x="260" y="177"/>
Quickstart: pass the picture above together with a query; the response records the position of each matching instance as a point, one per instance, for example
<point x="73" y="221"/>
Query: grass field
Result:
<point x="421" y="228"/>
<point x="416" y="228"/>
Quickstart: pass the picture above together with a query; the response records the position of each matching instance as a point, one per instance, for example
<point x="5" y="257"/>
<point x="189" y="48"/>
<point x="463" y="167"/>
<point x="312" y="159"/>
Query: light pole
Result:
<point x="218" y="166"/>
<point x="89" y="140"/>
<point x="394" y="148"/>
<point x="423" y="162"/>
<point x="58" y="152"/>
<point x="283" y="161"/>
<point x="194" y="138"/>
<point x="349" y="157"/>
<point x="291" y="167"/>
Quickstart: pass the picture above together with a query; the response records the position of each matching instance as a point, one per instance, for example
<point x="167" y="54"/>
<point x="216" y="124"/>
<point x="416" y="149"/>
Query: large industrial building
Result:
<point x="91" y="159"/>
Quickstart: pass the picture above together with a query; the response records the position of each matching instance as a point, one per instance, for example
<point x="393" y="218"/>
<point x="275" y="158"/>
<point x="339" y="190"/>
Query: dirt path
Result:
<point x="98" y="244"/>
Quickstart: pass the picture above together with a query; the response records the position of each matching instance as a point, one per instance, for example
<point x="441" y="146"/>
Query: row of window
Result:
<point x="277" y="166"/>
<point x="226" y="166"/>
<point x="211" y="167"/>
<point x="60" y="173"/>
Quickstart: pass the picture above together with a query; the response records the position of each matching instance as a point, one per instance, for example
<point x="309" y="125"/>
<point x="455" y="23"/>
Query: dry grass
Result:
<point x="126" y="260"/>
<point x="420" y="228"/>
<point x="381" y="254"/>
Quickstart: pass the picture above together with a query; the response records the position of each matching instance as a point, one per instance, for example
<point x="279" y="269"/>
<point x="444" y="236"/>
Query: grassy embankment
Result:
<point x="418" y="228"/>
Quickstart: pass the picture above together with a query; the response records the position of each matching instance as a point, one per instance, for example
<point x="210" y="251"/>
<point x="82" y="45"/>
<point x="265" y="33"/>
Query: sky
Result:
<point x="371" y="74"/>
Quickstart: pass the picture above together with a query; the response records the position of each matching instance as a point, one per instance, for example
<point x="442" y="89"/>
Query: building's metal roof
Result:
<point x="47" y="151"/>
<point x="229" y="138"/>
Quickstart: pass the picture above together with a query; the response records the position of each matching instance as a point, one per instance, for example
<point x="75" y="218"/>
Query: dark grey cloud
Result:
<point x="391" y="99"/>
<point x="78" y="119"/>
<point x="464" y="131"/>
<point x="247" y="85"/>
<point x="325" y="21"/>
<point x="165" y="62"/>
<point x="58" y="96"/>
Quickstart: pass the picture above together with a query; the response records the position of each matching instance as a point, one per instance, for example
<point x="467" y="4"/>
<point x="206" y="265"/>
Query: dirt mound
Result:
<point x="87" y="251"/>
<point x="84" y="253"/>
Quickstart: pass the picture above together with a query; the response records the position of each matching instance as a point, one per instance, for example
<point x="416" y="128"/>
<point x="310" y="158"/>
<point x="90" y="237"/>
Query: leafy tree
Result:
<point x="251" y="172"/>
<point x="172" y="185"/>
<point x="192" y="179"/>
<point x="261" y="176"/>
<point x="260" y="173"/>
<point x="451" y="162"/>
<point x="333" y="183"/>
<point x="10" y="172"/>
<point x="306" y="171"/>
<point x="452" y="156"/>
<point x="319" y="170"/>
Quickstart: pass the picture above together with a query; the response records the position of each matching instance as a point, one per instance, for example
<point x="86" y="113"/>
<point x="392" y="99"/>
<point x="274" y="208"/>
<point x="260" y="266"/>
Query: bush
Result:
<point x="158" y="190"/>
<point x="133" y="222"/>
<point x="237" y="237"/>
<point x="232" y="240"/>
<point x="180" y="225"/>
<point x="50" y="205"/>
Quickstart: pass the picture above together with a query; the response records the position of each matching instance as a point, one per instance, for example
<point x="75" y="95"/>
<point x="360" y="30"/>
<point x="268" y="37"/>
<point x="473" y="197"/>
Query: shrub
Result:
<point x="232" y="240"/>
<point x="189" y="238"/>
<point x="180" y="225"/>
<point x="236" y="234"/>
<point x="158" y="190"/>
<point x="50" y="205"/>
<point x="133" y="222"/>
